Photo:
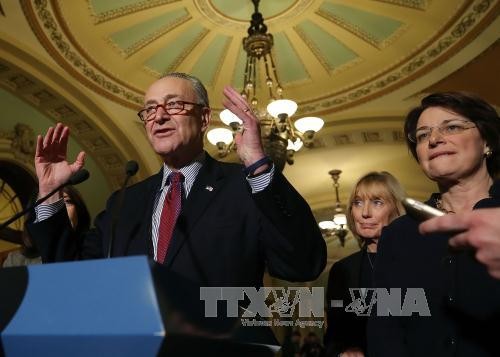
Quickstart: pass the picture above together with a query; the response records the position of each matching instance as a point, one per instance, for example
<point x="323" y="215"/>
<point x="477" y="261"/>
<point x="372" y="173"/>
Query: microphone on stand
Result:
<point x="131" y="168"/>
<point x="77" y="177"/>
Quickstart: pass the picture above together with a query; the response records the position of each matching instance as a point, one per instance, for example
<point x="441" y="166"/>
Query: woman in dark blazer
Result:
<point x="79" y="218"/>
<point x="375" y="201"/>
<point x="455" y="138"/>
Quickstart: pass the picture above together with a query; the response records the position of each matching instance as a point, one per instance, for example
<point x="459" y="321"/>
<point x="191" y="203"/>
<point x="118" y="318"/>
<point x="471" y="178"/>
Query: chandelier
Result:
<point x="281" y="138"/>
<point x="337" y="226"/>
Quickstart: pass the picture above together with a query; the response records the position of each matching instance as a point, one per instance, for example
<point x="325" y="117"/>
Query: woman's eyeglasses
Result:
<point x="447" y="128"/>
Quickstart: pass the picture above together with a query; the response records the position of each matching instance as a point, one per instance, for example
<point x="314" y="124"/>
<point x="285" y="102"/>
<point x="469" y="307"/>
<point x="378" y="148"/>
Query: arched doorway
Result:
<point x="17" y="189"/>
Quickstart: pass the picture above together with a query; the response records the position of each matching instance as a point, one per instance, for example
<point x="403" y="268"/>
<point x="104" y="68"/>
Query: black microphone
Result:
<point x="131" y="168"/>
<point x="77" y="177"/>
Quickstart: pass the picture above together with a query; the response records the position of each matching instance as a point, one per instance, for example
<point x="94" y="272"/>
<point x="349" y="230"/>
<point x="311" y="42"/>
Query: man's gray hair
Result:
<point x="199" y="88"/>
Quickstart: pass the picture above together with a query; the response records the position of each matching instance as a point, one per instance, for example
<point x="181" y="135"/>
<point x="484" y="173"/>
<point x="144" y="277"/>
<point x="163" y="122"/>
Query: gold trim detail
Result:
<point x="359" y="32"/>
<point x="220" y="62"/>
<point x="317" y="53"/>
<point x="62" y="53"/>
<point x="127" y="52"/>
<point x="61" y="20"/>
<point x="412" y="4"/>
<point x="59" y="109"/>
<point x="179" y="58"/>
<point x="290" y="83"/>
<point x="125" y="10"/>
<point x="211" y="14"/>
<point x="461" y="29"/>
<point x="22" y="142"/>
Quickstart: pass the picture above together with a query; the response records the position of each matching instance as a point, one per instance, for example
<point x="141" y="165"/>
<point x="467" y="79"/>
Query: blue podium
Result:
<point x="116" y="307"/>
<point x="88" y="308"/>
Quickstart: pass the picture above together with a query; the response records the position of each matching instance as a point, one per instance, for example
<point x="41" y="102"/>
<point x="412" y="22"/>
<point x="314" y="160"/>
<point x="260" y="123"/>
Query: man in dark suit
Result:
<point x="230" y="221"/>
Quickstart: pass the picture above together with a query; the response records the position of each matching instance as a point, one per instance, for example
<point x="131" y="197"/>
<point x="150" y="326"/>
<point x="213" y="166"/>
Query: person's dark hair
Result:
<point x="81" y="209"/>
<point x="470" y="106"/>
<point x="199" y="88"/>
<point x="28" y="246"/>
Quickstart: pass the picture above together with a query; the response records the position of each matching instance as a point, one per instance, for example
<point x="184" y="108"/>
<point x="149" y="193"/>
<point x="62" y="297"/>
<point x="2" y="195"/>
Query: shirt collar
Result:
<point x="189" y="171"/>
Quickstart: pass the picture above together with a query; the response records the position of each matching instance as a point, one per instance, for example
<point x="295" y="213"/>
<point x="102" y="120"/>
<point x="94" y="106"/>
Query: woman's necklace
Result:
<point x="439" y="206"/>
<point x="368" y="243"/>
<point x="369" y="259"/>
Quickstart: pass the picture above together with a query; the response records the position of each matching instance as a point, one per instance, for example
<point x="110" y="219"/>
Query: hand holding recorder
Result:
<point x="420" y="210"/>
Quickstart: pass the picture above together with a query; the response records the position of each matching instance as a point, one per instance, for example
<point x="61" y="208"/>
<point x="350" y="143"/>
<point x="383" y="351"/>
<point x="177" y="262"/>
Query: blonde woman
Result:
<point x="375" y="201"/>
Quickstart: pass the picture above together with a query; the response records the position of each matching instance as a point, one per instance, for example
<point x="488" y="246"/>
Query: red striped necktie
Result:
<point x="169" y="214"/>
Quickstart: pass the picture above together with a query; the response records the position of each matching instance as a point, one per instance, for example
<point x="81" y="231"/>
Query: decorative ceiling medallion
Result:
<point x="207" y="9"/>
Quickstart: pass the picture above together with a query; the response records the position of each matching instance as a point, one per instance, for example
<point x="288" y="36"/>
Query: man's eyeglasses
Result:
<point x="175" y="107"/>
<point x="453" y="127"/>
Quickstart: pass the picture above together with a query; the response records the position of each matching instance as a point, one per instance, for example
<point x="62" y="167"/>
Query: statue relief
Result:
<point x="24" y="139"/>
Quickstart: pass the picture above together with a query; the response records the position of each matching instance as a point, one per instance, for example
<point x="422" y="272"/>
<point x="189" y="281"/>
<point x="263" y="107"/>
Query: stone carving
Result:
<point x="24" y="139"/>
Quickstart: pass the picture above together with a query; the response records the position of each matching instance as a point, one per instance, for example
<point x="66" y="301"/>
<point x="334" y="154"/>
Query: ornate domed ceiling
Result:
<point x="330" y="54"/>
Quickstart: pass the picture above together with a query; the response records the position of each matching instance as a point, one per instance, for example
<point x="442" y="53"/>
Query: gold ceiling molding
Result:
<point x="384" y="136"/>
<point x="61" y="20"/>
<point x="359" y="32"/>
<point x="125" y="10"/>
<point x="220" y="62"/>
<point x="478" y="16"/>
<point x="127" y="52"/>
<point x="319" y="55"/>
<point x="24" y="86"/>
<point x="19" y="145"/>
<point x="413" y="4"/>
<point x="210" y="13"/>
<point x="47" y="31"/>
<point x="49" y="25"/>
<point x="179" y="58"/>
<point x="207" y="10"/>
<point x="294" y="49"/>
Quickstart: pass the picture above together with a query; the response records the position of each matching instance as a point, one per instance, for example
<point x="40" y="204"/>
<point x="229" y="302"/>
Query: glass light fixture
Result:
<point x="277" y="128"/>
<point x="337" y="226"/>
<point x="228" y="117"/>
<point x="219" y="136"/>
<point x="282" y="106"/>
<point x="309" y="124"/>
<point x="295" y="146"/>
<point x="340" y="219"/>
<point x="327" y="225"/>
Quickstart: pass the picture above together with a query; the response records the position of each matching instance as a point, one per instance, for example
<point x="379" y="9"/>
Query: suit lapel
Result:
<point x="206" y="186"/>
<point x="151" y="194"/>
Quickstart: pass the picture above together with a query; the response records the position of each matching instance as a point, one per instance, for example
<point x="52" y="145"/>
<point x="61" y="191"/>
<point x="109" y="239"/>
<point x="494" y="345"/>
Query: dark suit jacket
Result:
<point x="464" y="300"/>
<point x="224" y="236"/>
<point x="345" y="329"/>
